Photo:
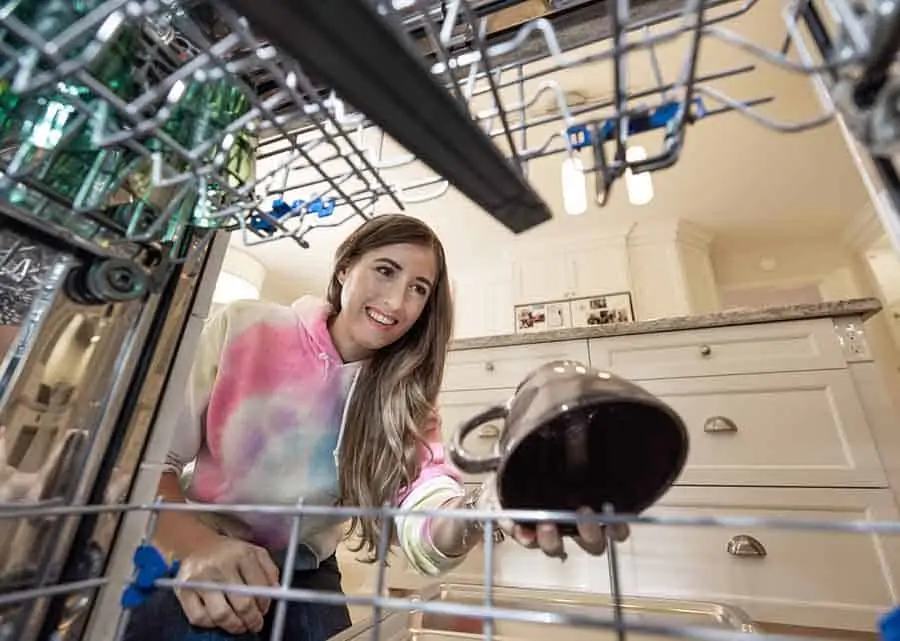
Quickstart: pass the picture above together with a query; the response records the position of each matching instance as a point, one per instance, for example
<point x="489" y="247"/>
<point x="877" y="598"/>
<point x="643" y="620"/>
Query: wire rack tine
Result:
<point x="478" y="37"/>
<point x="301" y="100"/>
<point x="488" y="544"/>
<point x="381" y="577"/>
<point x="615" y="586"/>
<point x="561" y="60"/>
<point x="618" y="12"/>
<point x="287" y="576"/>
<point x="149" y="534"/>
<point x="45" y="509"/>
<point x="438" y="43"/>
<point x="307" y="85"/>
<point x="744" y="108"/>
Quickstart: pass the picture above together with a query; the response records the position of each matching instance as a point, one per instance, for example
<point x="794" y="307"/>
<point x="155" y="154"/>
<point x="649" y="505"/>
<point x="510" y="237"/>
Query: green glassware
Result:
<point x="200" y="117"/>
<point x="238" y="172"/>
<point x="47" y="138"/>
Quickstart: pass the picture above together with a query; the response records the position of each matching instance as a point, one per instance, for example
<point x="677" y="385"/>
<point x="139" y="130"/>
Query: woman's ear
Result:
<point x="341" y="276"/>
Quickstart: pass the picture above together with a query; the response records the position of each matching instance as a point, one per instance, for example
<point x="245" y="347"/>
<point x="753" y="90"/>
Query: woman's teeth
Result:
<point x="379" y="318"/>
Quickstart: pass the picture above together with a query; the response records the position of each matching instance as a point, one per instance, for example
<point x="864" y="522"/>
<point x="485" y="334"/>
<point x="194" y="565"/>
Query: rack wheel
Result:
<point x="112" y="281"/>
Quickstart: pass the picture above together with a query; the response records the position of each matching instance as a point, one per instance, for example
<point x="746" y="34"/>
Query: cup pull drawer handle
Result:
<point x="719" y="424"/>
<point x="745" y="545"/>
<point x="489" y="367"/>
<point x="489" y="432"/>
<point x="705" y="350"/>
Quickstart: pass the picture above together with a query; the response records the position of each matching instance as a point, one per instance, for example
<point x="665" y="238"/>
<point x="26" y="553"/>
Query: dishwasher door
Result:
<point x="449" y="611"/>
<point x="80" y="382"/>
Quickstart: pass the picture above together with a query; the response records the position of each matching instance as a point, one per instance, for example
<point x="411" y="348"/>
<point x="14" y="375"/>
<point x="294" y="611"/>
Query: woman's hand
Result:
<point x="227" y="560"/>
<point x="591" y="537"/>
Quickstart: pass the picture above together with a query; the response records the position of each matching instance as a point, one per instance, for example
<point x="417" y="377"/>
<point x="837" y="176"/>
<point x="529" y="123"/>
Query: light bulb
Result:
<point x="574" y="186"/>
<point x="639" y="186"/>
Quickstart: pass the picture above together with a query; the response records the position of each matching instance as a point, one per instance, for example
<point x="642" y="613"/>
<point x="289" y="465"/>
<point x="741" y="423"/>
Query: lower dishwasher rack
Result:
<point x="443" y="616"/>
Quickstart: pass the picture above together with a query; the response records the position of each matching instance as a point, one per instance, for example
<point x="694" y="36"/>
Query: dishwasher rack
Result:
<point x="217" y="83"/>
<point x="135" y="135"/>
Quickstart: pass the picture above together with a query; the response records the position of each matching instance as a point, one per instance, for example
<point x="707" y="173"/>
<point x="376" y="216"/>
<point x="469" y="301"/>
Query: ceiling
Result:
<point x="738" y="179"/>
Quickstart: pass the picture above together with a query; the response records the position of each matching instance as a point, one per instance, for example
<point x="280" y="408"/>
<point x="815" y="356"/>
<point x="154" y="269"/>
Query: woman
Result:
<point x="330" y="402"/>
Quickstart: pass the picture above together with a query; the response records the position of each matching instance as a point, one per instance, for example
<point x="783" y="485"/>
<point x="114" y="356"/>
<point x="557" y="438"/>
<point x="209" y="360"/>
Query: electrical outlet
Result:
<point x="853" y="340"/>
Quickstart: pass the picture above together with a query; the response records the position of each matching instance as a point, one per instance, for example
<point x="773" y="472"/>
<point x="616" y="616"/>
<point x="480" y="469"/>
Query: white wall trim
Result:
<point x="863" y="230"/>
<point x="776" y="283"/>
<point x="678" y="230"/>
<point x="611" y="236"/>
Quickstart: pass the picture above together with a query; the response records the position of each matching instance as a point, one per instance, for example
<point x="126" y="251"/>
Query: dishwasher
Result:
<point x="133" y="133"/>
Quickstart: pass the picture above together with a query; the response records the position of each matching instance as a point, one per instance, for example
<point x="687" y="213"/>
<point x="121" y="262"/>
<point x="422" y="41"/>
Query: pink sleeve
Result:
<point x="434" y="462"/>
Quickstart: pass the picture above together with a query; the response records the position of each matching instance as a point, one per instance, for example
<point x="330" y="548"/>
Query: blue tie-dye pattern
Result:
<point x="322" y="467"/>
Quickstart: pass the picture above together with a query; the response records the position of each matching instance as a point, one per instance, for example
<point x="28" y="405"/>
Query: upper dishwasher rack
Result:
<point x="126" y="124"/>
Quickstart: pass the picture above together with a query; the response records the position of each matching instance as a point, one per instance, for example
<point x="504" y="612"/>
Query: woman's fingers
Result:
<point x="253" y="573"/>
<point x="550" y="541"/>
<point x="220" y="611"/>
<point x="591" y="537"/>
<point x="193" y="609"/>
<point x="268" y="566"/>
<point x="524" y="536"/>
<point x="244" y="605"/>
<point x="620" y="532"/>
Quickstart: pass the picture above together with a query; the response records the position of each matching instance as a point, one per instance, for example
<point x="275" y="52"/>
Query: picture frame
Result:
<point x="587" y="311"/>
<point x="604" y="309"/>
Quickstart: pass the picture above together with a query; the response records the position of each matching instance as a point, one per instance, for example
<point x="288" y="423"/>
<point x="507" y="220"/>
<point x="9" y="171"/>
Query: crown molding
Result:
<point x="863" y="230"/>
<point x="670" y="230"/>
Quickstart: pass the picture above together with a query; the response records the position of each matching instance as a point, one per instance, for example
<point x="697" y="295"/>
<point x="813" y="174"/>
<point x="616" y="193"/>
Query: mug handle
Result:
<point x="466" y="461"/>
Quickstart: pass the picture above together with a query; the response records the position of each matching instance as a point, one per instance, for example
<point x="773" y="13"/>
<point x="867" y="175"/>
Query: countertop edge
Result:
<point x="862" y="307"/>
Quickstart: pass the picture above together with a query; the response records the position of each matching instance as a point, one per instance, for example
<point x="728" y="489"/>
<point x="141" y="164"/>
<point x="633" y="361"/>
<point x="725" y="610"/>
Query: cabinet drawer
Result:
<point x="791" y="429"/>
<point x="457" y="407"/>
<point x="805" y="578"/>
<point x="776" y="347"/>
<point x="503" y="367"/>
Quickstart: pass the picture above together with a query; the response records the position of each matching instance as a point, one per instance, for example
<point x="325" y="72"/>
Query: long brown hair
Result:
<point x="397" y="387"/>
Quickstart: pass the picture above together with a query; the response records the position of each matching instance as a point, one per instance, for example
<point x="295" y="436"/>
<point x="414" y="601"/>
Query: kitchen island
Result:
<point x="788" y="419"/>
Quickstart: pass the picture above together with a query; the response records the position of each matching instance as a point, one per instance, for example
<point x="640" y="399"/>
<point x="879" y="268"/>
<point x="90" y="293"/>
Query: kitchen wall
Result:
<point x="784" y="273"/>
<point x="671" y="267"/>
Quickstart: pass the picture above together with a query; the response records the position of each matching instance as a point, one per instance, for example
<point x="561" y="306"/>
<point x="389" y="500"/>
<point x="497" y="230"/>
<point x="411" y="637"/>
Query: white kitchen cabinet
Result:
<point x="505" y="367"/>
<point x="745" y="429"/>
<point x="828" y="579"/>
<point x="542" y="278"/>
<point x="482" y="302"/>
<point x="560" y="272"/>
<point x="598" y="270"/>
<point x="787" y="420"/>
<point x="767" y="347"/>
<point x="457" y="407"/>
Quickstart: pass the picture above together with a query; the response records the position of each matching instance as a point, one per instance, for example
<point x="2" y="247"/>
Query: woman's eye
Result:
<point x="384" y="270"/>
<point x="421" y="290"/>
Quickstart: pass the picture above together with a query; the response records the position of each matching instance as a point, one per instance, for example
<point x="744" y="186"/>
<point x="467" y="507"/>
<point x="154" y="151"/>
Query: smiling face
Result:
<point x="383" y="294"/>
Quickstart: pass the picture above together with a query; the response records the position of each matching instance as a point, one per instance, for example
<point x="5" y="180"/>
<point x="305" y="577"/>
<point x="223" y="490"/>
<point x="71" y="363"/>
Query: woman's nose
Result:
<point x="393" y="297"/>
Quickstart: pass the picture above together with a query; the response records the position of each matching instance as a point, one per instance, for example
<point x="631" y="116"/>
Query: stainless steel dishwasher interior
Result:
<point x="397" y="625"/>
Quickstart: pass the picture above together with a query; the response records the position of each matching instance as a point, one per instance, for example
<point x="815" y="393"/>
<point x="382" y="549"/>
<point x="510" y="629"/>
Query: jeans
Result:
<point x="161" y="618"/>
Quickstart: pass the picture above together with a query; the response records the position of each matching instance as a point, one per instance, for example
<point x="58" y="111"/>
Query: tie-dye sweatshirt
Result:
<point x="262" y="419"/>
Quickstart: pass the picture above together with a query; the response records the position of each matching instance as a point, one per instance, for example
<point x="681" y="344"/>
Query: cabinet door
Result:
<point x="598" y="270"/>
<point x="787" y="429"/>
<point x="457" y="407"/>
<point x="791" y="576"/>
<point x="542" y="278"/>
<point x="482" y="303"/>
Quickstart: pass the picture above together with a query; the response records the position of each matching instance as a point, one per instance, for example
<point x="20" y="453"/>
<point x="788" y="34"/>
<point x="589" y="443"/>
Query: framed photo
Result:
<point x="602" y="310"/>
<point x="531" y="318"/>
<point x="559" y="315"/>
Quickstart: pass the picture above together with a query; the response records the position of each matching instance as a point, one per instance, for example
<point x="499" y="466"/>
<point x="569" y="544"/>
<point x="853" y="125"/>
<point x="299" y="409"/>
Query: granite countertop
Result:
<point x="863" y="307"/>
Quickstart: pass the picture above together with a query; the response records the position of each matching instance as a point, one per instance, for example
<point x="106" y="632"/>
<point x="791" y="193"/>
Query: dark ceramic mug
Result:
<point x="577" y="437"/>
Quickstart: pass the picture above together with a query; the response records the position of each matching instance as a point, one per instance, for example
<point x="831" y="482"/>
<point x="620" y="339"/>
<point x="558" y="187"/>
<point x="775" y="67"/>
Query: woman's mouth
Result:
<point x="380" y="318"/>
